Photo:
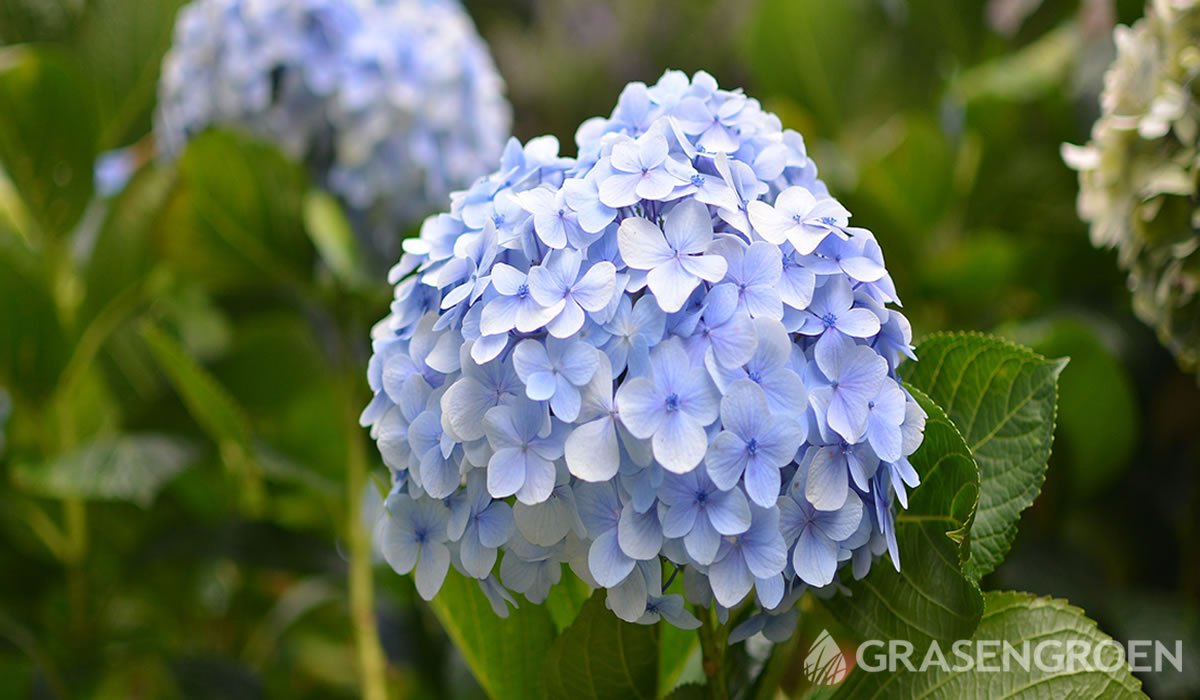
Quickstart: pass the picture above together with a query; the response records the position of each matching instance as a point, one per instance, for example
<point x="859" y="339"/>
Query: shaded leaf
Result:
<point x="331" y="233"/>
<point x="931" y="598"/>
<point x="123" y="253"/>
<point x="206" y="400"/>
<point x="508" y="656"/>
<point x="1015" y="618"/>
<point x="602" y="656"/>
<point x="1003" y="399"/>
<point x="1097" y="408"/>
<point x="121" y="44"/>
<point x="47" y="136"/>
<point x="33" y="345"/>
<point x="235" y="220"/>
<point x="123" y="468"/>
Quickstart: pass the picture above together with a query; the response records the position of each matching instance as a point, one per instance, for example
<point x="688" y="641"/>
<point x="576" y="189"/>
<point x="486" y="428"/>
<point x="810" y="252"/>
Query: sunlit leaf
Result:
<point x="116" y="468"/>
<point x="1003" y="398"/>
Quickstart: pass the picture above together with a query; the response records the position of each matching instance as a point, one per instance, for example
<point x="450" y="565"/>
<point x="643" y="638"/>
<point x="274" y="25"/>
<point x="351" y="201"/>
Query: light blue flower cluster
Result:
<point x="392" y="103"/>
<point x="671" y="353"/>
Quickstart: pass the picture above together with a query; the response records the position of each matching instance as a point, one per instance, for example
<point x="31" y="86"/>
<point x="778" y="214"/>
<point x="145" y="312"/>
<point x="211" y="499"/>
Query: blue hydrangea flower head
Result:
<point x="391" y="103"/>
<point x="668" y="355"/>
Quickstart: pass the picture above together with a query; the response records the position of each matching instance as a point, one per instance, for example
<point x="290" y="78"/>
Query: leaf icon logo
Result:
<point x="825" y="664"/>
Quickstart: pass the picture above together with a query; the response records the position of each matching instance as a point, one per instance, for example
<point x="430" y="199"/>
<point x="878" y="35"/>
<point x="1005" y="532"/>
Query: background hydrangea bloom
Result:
<point x="636" y="379"/>
<point x="1138" y="174"/>
<point x="392" y="103"/>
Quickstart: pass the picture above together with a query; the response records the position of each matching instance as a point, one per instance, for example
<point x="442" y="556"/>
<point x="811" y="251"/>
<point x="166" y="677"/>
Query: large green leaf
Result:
<point x="931" y="598"/>
<point x="236" y="218"/>
<point x="123" y="253"/>
<point x="122" y="44"/>
<point x="333" y="236"/>
<point x="507" y="655"/>
<point x="47" y="135"/>
<point x="208" y="402"/>
<point x="601" y="656"/>
<point x="1015" y="618"/>
<point x="1097" y="406"/>
<point x="33" y="346"/>
<point x="121" y="468"/>
<point x="1003" y="399"/>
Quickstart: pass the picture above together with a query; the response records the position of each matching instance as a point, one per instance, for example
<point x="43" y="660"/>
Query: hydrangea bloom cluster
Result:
<point x="392" y="103"/>
<point x="1138" y="175"/>
<point x="669" y="354"/>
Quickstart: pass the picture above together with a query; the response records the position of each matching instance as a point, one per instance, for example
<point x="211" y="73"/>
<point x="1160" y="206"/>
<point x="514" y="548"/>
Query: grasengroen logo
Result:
<point x="825" y="663"/>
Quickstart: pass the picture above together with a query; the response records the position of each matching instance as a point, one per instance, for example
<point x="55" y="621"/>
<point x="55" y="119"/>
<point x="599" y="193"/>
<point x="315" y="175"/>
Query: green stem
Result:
<point x="75" y="514"/>
<point x="714" y="640"/>
<point x="371" y="664"/>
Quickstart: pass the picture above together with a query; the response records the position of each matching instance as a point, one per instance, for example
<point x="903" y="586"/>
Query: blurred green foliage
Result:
<point x="184" y="361"/>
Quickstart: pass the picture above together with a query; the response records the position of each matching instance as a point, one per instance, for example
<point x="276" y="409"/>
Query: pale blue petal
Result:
<point x="628" y="598"/>
<point x="678" y="520"/>
<point x="840" y="524"/>
<point x="539" y="479"/>
<point x="858" y="323"/>
<point x="641" y="407"/>
<point x="399" y="545"/>
<point x="688" y="227"/>
<point x="815" y="558"/>
<point x="431" y="569"/>
<point x="639" y="534"/>
<point x="672" y="284"/>
<point x="770" y="590"/>
<point x="710" y="268"/>
<point x="730" y="579"/>
<point x="592" y="451"/>
<point x="565" y="401"/>
<point x="642" y="244"/>
<point x="578" y="363"/>
<point x="464" y="405"/>
<point x="608" y="564"/>
<point x="679" y="443"/>
<point x="495" y="524"/>
<point x="827" y="484"/>
<point x="763" y="482"/>
<point x="726" y="460"/>
<point x="476" y="558"/>
<point x="729" y="512"/>
<point x="702" y="542"/>
<point x="506" y="472"/>
<point x="547" y="523"/>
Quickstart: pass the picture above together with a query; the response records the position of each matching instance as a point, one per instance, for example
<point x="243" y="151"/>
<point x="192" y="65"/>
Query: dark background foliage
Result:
<point x="191" y="334"/>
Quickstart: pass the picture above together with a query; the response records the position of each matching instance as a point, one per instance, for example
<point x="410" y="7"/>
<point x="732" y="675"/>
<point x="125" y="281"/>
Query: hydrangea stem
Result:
<point x="714" y="641"/>
<point x="75" y="556"/>
<point x="371" y="663"/>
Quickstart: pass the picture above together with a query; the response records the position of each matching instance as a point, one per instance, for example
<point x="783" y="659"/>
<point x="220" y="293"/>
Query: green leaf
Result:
<point x="123" y="254"/>
<point x="122" y="468"/>
<point x="689" y="691"/>
<point x="206" y="400"/>
<point x="236" y="218"/>
<point x="121" y="44"/>
<point x="33" y="345"/>
<point x="1098" y="435"/>
<point x="1015" y="618"/>
<point x="506" y="655"/>
<point x="1003" y="399"/>
<point x="333" y="237"/>
<point x="47" y="136"/>
<point x="1037" y="69"/>
<point x="602" y="656"/>
<point x="931" y="598"/>
<point x="566" y="599"/>
<point x="677" y="648"/>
